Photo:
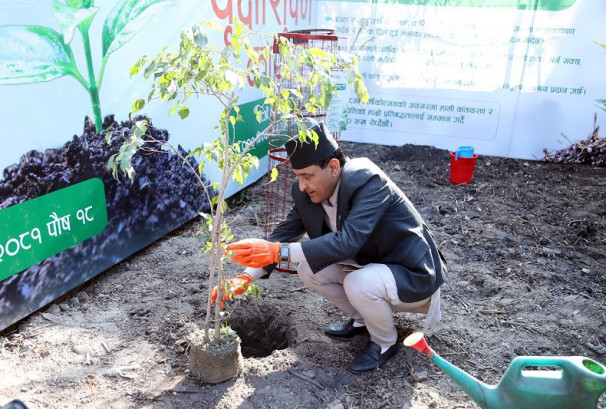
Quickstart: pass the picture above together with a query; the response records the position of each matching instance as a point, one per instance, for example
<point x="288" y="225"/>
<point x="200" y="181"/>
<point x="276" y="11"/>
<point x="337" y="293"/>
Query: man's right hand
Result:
<point x="255" y="252"/>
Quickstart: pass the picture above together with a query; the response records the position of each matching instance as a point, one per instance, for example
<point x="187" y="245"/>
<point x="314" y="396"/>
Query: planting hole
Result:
<point x="261" y="329"/>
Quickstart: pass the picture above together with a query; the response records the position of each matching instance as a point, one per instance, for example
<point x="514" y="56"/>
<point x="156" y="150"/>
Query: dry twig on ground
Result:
<point x="591" y="151"/>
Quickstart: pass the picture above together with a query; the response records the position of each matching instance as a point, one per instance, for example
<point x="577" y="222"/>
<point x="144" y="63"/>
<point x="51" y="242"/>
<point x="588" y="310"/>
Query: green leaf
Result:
<point x="274" y="174"/>
<point x="326" y="95"/>
<point x="139" y="129"/>
<point x="361" y="91"/>
<point x="125" y="20"/>
<point x="70" y="18"/>
<point x="31" y="54"/>
<point x="318" y="52"/>
<point x="234" y="79"/>
<point x="183" y="111"/>
<point x="200" y="39"/>
<point x="138" y="105"/>
<point x="600" y="103"/>
<point x="80" y="4"/>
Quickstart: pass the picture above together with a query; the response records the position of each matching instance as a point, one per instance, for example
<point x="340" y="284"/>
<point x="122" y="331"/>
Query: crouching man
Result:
<point x="369" y="251"/>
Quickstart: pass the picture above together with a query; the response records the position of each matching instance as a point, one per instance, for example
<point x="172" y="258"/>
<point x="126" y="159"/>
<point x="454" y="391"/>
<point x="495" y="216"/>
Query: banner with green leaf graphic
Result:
<point x="65" y="97"/>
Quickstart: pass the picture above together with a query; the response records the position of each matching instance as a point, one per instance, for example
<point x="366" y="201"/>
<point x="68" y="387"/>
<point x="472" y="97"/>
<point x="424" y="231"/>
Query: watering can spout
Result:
<point x="573" y="382"/>
<point x="480" y="392"/>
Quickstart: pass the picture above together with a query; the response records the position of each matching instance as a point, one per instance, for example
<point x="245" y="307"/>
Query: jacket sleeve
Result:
<point x="289" y="230"/>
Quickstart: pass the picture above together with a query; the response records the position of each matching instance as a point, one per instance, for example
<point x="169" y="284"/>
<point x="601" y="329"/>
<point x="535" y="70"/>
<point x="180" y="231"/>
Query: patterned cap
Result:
<point x="305" y="154"/>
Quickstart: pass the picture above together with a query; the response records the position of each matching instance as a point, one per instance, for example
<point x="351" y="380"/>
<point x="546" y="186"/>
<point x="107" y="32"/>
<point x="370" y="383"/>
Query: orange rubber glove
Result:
<point x="255" y="252"/>
<point x="237" y="285"/>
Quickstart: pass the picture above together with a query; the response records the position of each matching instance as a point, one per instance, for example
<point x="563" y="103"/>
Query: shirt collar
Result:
<point x="332" y="200"/>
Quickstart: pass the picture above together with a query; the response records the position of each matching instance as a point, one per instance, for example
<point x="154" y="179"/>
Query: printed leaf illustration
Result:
<point x="69" y="18"/>
<point x="125" y="20"/>
<point x="31" y="54"/>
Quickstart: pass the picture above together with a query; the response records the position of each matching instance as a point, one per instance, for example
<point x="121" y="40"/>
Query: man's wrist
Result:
<point x="284" y="252"/>
<point x="255" y="273"/>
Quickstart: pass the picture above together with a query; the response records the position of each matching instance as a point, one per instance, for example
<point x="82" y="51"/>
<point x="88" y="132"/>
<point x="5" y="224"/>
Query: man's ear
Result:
<point x="334" y="165"/>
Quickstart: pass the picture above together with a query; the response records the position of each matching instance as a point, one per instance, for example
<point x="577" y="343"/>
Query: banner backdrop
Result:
<point x="63" y="69"/>
<point x="509" y="77"/>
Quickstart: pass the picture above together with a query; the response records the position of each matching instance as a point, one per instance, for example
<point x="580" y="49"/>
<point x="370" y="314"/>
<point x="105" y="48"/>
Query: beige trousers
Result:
<point x="368" y="295"/>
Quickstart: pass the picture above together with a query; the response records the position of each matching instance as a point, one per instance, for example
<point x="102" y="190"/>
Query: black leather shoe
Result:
<point x="371" y="358"/>
<point x="344" y="329"/>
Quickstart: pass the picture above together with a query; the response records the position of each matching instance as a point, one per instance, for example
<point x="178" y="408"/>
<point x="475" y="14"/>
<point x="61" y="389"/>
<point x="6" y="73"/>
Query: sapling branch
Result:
<point x="202" y="69"/>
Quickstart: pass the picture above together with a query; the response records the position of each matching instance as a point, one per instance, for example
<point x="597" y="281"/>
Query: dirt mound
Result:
<point x="163" y="186"/>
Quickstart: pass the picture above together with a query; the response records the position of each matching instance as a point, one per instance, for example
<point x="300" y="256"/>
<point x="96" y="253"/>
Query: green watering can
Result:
<point x="576" y="382"/>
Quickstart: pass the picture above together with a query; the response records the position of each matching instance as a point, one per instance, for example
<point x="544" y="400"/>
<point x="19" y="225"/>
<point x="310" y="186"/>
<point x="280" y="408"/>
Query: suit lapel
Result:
<point x="342" y="208"/>
<point x="316" y="220"/>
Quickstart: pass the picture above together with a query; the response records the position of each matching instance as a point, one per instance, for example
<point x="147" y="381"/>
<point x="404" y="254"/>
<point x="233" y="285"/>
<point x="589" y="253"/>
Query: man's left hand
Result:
<point x="237" y="286"/>
<point x="255" y="252"/>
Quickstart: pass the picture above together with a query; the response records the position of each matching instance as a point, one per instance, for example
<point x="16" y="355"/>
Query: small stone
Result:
<point x="336" y="404"/>
<point x="598" y="349"/>
<point x="81" y="349"/>
<point x="53" y="309"/>
<point x="309" y="373"/>
<point x="82" y="296"/>
<point x="432" y="403"/>
<point x="419" y="378"/>
<point x="74" y="302"/>
<point x="64" y="306"/>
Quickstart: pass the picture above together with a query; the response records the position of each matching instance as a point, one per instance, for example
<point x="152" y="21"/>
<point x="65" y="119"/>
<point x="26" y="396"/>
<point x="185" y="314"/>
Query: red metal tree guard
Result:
<point x="278" y="199"/>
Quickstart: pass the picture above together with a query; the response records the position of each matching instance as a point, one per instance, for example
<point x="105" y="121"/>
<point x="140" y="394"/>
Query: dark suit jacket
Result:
<point x="376" y="223"/>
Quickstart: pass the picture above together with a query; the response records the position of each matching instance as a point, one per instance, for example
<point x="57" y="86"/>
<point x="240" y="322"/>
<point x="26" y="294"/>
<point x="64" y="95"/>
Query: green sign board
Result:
<point x="35" y="230"/>
<point x="249" y="127"/>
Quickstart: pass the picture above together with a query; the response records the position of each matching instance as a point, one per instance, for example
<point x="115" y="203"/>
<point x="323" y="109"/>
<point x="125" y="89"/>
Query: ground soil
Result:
<point x="525" y="244"/>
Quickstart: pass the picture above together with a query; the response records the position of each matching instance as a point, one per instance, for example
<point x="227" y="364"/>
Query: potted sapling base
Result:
<point x="215" y="362"/>
<point x="220" y="74"/>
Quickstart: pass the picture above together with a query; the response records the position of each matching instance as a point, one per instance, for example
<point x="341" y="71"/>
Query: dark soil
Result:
<point x="525" y="244"/>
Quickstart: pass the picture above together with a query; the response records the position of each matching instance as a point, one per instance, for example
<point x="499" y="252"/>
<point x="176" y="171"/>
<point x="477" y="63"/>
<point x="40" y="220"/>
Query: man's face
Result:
<point x="319" y="183"/>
